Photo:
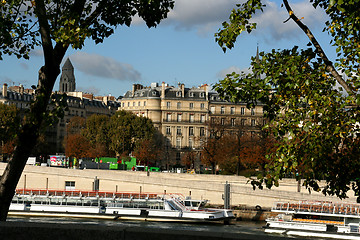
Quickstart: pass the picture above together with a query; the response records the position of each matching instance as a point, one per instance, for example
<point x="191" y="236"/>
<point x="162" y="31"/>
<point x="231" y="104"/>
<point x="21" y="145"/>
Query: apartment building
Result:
<point x="184" y="115"/>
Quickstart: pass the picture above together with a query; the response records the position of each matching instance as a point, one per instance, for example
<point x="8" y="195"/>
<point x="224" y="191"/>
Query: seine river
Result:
<point x="240" y="227"/>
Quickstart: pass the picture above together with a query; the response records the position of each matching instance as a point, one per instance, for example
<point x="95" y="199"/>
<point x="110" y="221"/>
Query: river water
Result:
<point x="240" y="227"/>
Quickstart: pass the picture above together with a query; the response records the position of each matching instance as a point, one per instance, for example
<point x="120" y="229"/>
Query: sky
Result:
<point x="181" y="49"/>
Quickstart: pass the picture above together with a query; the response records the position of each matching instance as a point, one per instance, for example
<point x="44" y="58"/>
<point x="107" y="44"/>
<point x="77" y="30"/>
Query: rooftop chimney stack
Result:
<point x="163" y="90"/>
<point x="182" y="90"/>
<point x="4" y="90"/>
<point x="206" y="92"/>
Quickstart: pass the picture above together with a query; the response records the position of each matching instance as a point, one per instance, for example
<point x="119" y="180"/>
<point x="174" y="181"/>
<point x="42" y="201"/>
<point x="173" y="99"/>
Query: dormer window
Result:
<point x="191" y="94"/>
<point x="178" y="94"/>
<point x="202" y="94"/>
<point x="154" y="93"/>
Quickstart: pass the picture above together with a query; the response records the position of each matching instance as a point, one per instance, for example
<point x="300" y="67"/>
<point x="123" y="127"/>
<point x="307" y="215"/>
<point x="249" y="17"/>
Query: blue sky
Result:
<point x="181" y="49"/>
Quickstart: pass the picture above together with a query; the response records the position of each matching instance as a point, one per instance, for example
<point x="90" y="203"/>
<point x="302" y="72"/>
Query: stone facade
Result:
<point x="184" y="115"/>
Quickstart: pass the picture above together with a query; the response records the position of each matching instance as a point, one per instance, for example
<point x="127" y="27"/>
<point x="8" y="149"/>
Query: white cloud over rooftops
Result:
<point x="104" y="67"/>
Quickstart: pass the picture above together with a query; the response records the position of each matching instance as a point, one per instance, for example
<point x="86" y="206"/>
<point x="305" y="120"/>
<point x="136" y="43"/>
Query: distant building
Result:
<point x="79" y="104"/>
<point x="67" y="78"/>
<point x="184" y="115"/>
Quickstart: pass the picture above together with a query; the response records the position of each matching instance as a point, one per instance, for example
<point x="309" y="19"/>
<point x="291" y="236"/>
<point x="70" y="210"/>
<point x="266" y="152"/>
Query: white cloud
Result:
<point x="206" y="17"/>
<point x="222" y="74"/>
<point x="104" y="67"/>
<point x="270" y="23"/>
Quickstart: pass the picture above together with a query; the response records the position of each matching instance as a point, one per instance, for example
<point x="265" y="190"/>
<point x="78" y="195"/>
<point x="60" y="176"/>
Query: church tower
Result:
<point x="67" y="79"/>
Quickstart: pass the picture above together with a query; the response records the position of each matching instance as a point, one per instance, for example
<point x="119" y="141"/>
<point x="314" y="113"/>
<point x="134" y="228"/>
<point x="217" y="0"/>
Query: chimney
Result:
<point x="4" y="90"/>
<point x="21" y="89"/>
<point x="105" y="100"/>
<point x="182" y="90"/>
<point x="206" y="92"/>
<point x="133" y="89"/>
<point x="163" y="90"/>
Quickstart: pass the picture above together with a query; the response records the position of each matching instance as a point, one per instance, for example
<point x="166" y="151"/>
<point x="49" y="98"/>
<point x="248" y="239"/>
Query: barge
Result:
<point x="114" y="205"/>
<point x="315" y="219"/>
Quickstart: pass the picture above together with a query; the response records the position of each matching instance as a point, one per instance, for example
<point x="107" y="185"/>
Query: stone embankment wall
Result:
<point x="199" y="186"/>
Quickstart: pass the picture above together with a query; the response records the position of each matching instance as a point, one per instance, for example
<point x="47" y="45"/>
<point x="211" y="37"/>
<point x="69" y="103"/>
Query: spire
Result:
<point x="257" y="59"/>
<point x="67" y="65"/>
<point x="67" y="78"/>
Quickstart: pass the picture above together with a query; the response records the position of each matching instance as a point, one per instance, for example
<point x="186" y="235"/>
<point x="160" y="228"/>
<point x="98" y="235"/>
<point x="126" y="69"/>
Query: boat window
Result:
<point x="195" y="204"/>
<point x="187" y="203"/>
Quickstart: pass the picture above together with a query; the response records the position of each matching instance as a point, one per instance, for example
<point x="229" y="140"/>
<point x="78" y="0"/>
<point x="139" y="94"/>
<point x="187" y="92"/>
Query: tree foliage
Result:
<point x="9" y="123"/>
<point x="56" y="25"/>
<point x="77" y="146"/>
<point x="147" y="152"/>
<point x="312" y="108"/>
<point x="126" y="131"/>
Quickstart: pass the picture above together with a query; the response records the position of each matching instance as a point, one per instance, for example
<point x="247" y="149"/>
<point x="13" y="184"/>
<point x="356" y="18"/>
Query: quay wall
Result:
<point x="199" y="186"/>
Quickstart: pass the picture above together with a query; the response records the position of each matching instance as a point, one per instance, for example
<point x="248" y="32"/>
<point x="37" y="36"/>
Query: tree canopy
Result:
<point x="55" y="26"/>
<point x="127" y="131"/>
<point x="312" y="103"/>
<point x="9" y="126"/>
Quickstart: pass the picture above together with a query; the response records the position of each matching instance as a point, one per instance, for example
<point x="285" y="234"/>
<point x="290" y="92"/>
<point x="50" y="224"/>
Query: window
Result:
<point x="242" y="111"/>
<point x="168" y="130"/>
<point x="253" y="123"/>
<point x="202" y="118"/>
<point x="191" y="94"/>
<point x="178" y="157"/>
<point x="178" y="143"/>
<point x="233" y="122"/>
<point x="191" y="105"/>
<point x="232" y="110"/>
<point x="139" y="104"/>
<point x="133" y="104"/>
<point x="168" y="117"/>
<point x="202" y="131"/>
<point x="69" y="185"/>
<point x="128" y="104"/>
<point x="212" y="109"/>
<point x="178" y="94"/>
<point x="191" y="131"/>
<point x="192" y="117"/>
<point x="222" y="110"/>
<point x="144" y="103"/>
<point x="178" y="131"/>
<point x="202" y="105"/>
<point x="243" y="121"/>
<point x="179" y="117"/>
<point x="168" y="105"/>
<point x="253" y="111"/>
<point x="223" y="121"/>
<point x="190" y="143"/>
<point x="178" y="105"/>
<point x="123" y="104"/>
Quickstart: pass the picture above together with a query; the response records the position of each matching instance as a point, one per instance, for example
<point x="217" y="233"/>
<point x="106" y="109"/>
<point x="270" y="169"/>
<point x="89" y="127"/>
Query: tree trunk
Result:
<point x="27" y="138"/>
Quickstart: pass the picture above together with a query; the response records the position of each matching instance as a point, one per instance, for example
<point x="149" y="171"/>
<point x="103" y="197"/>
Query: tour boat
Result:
<point x="315" y="219"/>
<point x="115" y="205"/>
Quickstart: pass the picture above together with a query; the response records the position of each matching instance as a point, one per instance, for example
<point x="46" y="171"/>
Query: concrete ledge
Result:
<point x="51" y="231"/>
